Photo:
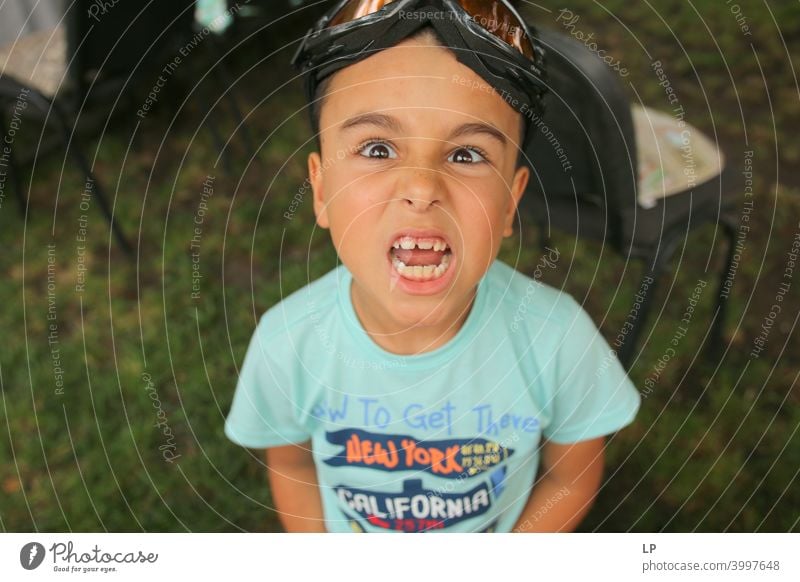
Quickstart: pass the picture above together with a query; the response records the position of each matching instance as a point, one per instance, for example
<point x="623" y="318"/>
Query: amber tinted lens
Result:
<point x="357" y="9"/>
<point x="496" y="18"/>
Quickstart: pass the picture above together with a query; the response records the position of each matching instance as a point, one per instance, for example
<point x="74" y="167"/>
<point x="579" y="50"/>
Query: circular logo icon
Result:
<point x="31" y="555"/>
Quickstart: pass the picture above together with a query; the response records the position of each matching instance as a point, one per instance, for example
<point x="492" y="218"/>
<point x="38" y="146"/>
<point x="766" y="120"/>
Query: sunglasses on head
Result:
<point x="488" y="36"/>
<point x="496" y="17"/>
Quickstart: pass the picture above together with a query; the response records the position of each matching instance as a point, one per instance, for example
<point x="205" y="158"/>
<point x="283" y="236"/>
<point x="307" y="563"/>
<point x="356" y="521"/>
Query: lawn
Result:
<point x="116" y="373"/>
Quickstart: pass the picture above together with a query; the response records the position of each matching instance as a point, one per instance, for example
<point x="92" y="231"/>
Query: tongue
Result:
<point x="421" y="257"/>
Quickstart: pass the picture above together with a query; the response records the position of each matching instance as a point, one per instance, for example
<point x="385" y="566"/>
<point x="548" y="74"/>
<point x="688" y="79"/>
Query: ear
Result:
<point x="316" y="178"/>
<point x="517" y="190"/>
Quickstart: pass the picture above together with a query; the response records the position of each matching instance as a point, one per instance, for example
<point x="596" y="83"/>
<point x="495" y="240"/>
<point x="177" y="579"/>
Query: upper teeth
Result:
<point x="408" y="243"/>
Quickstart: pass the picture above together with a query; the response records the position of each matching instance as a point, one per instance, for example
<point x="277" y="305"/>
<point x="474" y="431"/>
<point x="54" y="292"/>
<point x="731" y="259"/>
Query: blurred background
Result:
<point x="187" y="124"/>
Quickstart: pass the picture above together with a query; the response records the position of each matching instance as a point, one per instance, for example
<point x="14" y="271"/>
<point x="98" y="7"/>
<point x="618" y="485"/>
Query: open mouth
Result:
<point x="420" y="258"/>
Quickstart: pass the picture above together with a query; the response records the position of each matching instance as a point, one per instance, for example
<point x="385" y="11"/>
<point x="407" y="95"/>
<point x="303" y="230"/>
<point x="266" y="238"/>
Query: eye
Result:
<point x="377" y="150"/>
<point x="467" y="155"/>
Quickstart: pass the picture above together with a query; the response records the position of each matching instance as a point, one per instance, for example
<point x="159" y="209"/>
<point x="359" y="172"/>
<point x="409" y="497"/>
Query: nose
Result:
<point x="420" y="188"/>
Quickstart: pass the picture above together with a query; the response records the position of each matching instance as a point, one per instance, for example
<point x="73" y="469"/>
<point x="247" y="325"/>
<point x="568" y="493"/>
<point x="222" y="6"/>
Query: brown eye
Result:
<point x="378" y="150"/>
<point x="466" y="156"/>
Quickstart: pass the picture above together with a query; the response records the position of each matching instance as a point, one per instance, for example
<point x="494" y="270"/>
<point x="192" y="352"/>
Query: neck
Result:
<point x="401" y="338"/>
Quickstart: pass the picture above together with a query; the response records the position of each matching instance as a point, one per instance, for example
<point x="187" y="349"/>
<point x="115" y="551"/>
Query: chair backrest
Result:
<point x="585" y="149"/>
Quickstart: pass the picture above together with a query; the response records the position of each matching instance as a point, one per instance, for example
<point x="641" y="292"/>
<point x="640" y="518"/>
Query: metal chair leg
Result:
<point x="76" y="152"/>
<point x="721" y="305"/>
<point x="72" y="147"/>
<point x="631" y="340"/>
<point x="657" y="261"/>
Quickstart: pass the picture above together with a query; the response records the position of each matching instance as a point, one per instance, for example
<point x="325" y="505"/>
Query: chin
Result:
<point x="422" y="311"/>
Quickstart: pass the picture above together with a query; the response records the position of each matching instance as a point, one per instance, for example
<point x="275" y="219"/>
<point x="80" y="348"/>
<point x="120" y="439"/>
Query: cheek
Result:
<point x="482" y="209"/>
<point x="357" y="190"/>
<point x="354" y="217"/>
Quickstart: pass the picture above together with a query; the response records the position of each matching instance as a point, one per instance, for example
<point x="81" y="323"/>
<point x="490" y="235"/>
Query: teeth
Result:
<point x="419" y="272"/>
<point x="409" y="243"/>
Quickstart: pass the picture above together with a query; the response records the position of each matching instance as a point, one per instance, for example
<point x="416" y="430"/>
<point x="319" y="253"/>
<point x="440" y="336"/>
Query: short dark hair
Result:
<point x="321" y="93"/>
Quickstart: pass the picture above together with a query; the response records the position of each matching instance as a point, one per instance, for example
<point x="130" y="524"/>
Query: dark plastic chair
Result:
<point x="13" y="92"/>
<point x="99" y="49"/>
<point x="586" y="182"/>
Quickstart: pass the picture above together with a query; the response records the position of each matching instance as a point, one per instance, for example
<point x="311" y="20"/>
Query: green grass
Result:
<point x="714" y="448"/>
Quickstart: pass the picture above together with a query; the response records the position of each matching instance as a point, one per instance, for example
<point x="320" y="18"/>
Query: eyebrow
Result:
<point x="479" y="128"/>
<point x="378" y="119"/>
<point x="393" y="124"/>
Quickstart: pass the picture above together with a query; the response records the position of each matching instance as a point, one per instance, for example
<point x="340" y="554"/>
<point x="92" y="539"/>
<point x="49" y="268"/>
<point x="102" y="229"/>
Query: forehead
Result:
<point x="417" y="80"/>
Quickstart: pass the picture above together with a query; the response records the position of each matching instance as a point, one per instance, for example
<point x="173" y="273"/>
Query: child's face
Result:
<point x="414" y="142"/>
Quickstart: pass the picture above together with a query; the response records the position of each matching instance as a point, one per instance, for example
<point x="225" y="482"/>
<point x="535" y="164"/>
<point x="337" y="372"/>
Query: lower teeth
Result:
<point x="419" y="272"/>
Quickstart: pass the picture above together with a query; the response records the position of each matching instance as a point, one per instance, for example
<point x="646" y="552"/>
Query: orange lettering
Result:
<point x="437" y="457"/>
<point x="388" y="459"/>
<point x="408" y="447"/>
<point x="452" y="464"/>
<point x="367" y="452"/>
<point x="422" y="456"/>
<point x="354" y="449"/>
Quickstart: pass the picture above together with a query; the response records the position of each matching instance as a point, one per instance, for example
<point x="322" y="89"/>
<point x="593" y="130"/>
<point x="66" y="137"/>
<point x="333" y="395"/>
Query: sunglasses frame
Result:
<point x="326" y="49"/>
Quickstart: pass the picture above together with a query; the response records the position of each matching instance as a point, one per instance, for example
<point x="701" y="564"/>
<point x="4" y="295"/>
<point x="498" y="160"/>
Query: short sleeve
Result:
<point x="593" y="395"/>
<point x="262" y="414"/>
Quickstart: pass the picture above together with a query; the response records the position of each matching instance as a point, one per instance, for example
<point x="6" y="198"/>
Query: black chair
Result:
<point x="74" y="75"/>
<point x="586" y="181"/>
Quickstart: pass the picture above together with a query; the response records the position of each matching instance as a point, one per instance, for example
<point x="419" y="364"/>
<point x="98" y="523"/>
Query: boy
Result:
<point x="422" y="384"/>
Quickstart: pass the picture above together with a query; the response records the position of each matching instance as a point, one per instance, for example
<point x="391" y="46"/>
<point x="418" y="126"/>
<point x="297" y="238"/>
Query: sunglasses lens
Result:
<point x="496" y="18"/>
<point x="356" y="9"/>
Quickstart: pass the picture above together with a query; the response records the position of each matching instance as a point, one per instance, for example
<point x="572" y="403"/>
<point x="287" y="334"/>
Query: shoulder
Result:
<point x="298" y="310"/>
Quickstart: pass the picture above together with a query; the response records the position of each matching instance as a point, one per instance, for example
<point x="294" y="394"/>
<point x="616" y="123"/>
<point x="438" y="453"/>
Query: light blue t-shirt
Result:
<point x="446" y="440"/>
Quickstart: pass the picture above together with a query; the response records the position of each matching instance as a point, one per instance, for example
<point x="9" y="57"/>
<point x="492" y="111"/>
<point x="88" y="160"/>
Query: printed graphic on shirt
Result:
<point x="489" y="420"/>
<point x="414" y="509"/>
<point x="450" y="458"/>
<point x="358" y="527"/>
